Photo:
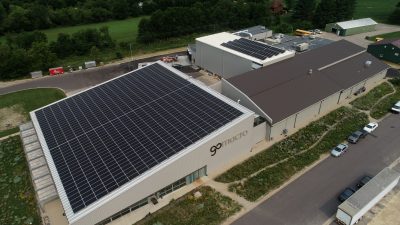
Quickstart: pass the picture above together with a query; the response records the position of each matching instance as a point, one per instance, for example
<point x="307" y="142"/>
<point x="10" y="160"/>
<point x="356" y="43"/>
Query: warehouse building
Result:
<point x="129" y="145"/>
<point x="228" y="55"/>
<point x="290" y="94"/>
<point x="387" y="49"/>
<point x="256" y="33"/>
<point x="351" y="27"/>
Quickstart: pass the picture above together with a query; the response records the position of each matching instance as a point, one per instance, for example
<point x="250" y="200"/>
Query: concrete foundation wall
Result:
<point x="186" y="164"/>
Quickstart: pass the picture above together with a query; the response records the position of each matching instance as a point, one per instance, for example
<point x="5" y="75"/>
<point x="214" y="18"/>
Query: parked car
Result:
<point x="339" y="150"/>
<point x="396" y="107"/>
<point x="318" y="31"/>
<point x="370" y="127"/>
<point x="363" y="181"/>
<point x="356" y="136"/>
<point x="346" y="194"/>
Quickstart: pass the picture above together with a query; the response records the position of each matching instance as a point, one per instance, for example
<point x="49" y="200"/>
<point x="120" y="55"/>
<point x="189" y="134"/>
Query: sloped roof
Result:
<point x="393" y="41"/>
<point x="356" y="23"/>
<point x="285" y="88"/>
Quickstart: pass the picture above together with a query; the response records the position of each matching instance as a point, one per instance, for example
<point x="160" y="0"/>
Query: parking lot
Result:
<point x="312" y="198"/>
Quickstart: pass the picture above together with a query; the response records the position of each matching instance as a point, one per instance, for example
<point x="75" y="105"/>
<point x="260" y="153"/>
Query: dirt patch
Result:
<point x="11" y="117"/>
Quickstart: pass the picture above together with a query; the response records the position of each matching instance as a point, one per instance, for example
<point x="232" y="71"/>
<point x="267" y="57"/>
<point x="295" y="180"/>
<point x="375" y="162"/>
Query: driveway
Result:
<point x="79" y="80"/>
<point x="359" y="39"/>
<point x="312" y="198"/>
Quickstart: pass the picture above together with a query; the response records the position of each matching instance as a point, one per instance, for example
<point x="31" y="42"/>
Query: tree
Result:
<point x="13" y="62"/>
<point x="42" y="57"/>
<point x="394" y="18"/>
<point x="120" y="9"/>
<point x="304" y="10"/>
<point x="95" y="54"/>
<point x="290" y="4"/>
<point x="345" y="9"/>
<point x="18" y="20"/>
<point x="325" y="13"/>
<point x="284" y="28"/>
<point x="63" y="47"/>
<point x="26" y="39"/>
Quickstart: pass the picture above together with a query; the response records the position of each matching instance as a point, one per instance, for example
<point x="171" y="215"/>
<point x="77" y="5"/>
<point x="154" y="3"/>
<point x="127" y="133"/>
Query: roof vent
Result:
<point x="310" y="72"/>
<point x="367" y="64"/>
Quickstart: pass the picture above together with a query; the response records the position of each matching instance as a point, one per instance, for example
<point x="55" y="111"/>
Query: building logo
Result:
<point x="227" y="142"/>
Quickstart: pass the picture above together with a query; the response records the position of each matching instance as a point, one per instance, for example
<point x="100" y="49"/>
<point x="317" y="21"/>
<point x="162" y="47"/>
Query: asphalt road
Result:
<point x="312" y="198"/>
<point x="78" y="80"/>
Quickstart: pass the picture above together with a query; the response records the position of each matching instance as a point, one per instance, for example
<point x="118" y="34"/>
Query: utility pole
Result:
<point x="131" y="64"/>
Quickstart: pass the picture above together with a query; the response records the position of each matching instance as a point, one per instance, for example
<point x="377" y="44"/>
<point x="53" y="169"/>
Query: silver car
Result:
<point x="339" y="150"/>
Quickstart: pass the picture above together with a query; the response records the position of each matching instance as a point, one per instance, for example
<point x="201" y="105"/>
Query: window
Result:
<point x="381" y="55"/>
<point x="396" y="54"/>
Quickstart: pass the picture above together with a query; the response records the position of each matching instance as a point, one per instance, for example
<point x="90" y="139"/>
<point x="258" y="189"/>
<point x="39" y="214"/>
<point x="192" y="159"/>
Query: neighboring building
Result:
<point x="291" y="43"/>
<point x="387" y="49"/>
<point x="294" y="92"/>
<point x="351" y="27"/>
<point x="228" y="55"/>
<point x="256" y="33"/>
<point x="125" y="146"/>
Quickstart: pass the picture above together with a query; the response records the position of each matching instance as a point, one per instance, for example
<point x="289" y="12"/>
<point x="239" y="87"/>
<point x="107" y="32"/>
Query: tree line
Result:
<point x="29" y="15"/>
<point x="203" y="16"/>
<point x="31" y="51"/>
<point x="217" y="15"/>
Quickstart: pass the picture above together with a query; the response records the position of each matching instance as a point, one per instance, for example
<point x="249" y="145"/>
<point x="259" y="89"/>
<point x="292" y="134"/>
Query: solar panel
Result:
<point x="102" y="138"/>
<point x="252" y="48"/>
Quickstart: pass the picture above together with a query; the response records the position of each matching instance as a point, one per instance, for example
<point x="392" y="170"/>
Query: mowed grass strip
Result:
<point x="301" y="140"/>
<point x="211" y="208"/>
<point x="367" y="101"/>
<point x="261" y="184"/>
<point x="386" y="36"/>
<point x="377" y="10"/>
<point x="26" y="101"/>
<point x="18" y="204"/>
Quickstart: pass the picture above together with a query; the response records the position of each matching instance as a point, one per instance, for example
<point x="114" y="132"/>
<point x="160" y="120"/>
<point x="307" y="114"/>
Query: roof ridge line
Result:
<point x="341" y="60"/>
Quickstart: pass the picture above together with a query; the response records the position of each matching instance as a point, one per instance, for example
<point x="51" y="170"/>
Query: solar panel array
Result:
<point x="252" y="48"/>
<point x="104" y="137"/>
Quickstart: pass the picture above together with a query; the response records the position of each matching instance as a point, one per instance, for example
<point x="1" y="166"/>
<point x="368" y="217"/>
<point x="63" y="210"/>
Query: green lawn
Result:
<point x="211" y="208"/>
<point x="120" y="30"/>
<point x="22" y="102"/>
<point x="375" y="9"/>
<point x="386" y="36"/>
<point x="18" y="204"/>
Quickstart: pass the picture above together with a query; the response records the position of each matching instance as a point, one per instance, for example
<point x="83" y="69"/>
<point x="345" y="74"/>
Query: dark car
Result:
<point x="363" y="181"/>
<point x="346" y="194"/>
<point x="356" y="136"/>
<point x="177" y="66"/>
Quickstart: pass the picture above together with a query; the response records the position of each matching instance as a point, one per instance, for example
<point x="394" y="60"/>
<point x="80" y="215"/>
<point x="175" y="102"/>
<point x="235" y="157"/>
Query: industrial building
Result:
<point x="228" y="55"/>
<point x="256" y="33"/>
<point x="290" y="94"/>
<point x="351" y="27"/>
<point x="127" y="145"/>
<point x="387" y="49"/>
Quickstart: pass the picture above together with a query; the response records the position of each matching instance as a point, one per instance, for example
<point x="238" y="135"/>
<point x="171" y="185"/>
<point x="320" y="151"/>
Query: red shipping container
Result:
<point x="56" y="71"/>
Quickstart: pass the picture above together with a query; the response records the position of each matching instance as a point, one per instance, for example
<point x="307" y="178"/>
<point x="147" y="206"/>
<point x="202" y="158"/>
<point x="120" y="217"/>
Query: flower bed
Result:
<point x="367" y="101"/>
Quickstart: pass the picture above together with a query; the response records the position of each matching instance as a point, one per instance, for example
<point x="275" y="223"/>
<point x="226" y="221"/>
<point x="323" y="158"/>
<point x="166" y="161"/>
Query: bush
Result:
<point x="300" y="141"/>
<point x="367" y="101"/>
<point x="271" y="178"/>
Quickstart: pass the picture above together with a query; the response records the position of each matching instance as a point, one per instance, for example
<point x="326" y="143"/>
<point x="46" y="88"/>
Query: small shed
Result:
<point x="351" y="27"/>
<point x="387" y="49"/>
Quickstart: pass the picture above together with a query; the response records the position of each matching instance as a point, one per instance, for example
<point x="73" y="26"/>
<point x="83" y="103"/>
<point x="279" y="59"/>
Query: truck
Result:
<point x="353" y="209"/>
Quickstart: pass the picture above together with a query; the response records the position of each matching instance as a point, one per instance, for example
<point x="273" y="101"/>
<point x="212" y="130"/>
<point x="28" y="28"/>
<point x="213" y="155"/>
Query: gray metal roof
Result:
<point x="356" y="23"/>
<point x="369" y="191"/>
<point x="285" y="88"/>
<point x="254" y="30"/>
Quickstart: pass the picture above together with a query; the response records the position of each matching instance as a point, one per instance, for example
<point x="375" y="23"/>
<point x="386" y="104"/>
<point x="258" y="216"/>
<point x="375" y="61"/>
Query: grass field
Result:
<point x="18" y="204"/>
<point x="377" y="10"/>
<point x="15" y="107"/>
<point x="120" y="30"/>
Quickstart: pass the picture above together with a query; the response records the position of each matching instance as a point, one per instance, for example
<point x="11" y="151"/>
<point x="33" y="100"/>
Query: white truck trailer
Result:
<point x="352" y="210"/>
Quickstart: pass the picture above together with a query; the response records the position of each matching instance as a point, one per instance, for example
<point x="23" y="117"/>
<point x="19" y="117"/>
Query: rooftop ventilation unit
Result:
<point x="367" y="64"/>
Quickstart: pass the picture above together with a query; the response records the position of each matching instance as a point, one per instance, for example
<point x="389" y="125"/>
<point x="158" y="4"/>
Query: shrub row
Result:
<point x="211" y="208"/>
<point x="384" y="106"/>
<point x="290" y="146"/>
<point x="269" y="179"/>
<point x="367" y="101"/>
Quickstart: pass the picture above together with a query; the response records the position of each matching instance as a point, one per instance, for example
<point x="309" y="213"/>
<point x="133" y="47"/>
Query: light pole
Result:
<point x="130" y="48"/>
